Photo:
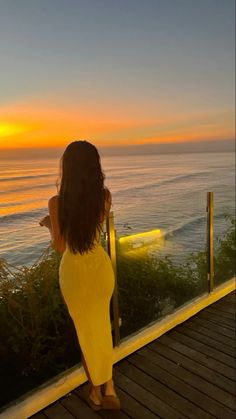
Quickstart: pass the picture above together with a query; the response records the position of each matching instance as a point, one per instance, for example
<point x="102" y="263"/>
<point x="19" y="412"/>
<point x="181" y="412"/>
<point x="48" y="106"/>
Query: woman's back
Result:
<point x="60" y="243"/>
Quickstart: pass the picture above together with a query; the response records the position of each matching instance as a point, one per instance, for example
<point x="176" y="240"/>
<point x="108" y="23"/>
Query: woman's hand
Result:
<point x="45" y="222"/>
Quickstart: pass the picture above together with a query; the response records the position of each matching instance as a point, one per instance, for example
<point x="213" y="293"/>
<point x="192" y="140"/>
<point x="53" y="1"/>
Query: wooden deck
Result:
<point x="188" y="372"/>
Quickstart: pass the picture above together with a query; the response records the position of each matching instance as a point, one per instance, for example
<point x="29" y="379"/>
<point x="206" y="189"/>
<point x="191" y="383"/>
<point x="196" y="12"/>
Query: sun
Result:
<point x="7" y="129"/>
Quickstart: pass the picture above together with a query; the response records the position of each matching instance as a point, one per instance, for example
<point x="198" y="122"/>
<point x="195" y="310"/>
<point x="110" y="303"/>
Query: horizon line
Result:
<point x="213" y="146"/>
<point x="126" y="146"/>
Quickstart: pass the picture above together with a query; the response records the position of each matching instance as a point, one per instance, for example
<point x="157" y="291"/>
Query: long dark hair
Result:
<point x="81" y="196"/>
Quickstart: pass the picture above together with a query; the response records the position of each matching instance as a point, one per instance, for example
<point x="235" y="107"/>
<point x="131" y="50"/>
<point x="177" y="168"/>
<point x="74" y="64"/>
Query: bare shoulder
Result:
<point x="53" y="200"/>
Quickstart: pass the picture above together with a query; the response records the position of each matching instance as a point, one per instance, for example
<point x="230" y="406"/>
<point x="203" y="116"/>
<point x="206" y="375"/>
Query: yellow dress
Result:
<point x="87" y="283"/>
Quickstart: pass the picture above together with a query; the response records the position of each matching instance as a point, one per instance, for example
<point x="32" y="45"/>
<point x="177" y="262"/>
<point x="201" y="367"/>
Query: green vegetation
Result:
<point x="224" y="260"/>
<point x="38" y="339"/>
<point x="150" y="288"/>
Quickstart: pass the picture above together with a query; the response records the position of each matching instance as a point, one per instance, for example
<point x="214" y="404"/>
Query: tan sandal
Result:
<point x="89" y="401"/>
<point x="111" y="402"/>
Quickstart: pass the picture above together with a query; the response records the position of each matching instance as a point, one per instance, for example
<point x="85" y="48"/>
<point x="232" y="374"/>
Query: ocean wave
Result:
<point x="9" y="179"/>
<point x="28" y="188"/>
<point x="157" y="184"/>
<point x="10" y="204"/>
<point x="23" y="215"/>
<point x="186" y="225"/>
<point x="191" y="224"/>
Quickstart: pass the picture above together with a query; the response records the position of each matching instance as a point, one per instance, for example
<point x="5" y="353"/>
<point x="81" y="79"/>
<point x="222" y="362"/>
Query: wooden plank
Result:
<point x="224" y="306"/>
<point x="144" y="391"/>
<point x="216" y="328"/>
<point x="224" y="315"/>
<point x="217" y="394"/>
<point x="198" y="369"/>
<point x="199" y="327"/>
<point x="231" y="296"/>
<point x="213" y="324"/>
<point x="77" y="407"/>
<point x="212" y="343"/>
<point x="217" y="366"/>
<point x="114" y="414"/>
<point x="56" y="410"/>
<point x="219" y="319"/>
<point x="39" y="415"/>
<point x="161" y="391"/>
<point x="204" y="349"/>
<point x="129" y="397"/>
<point x="227" y="308"/>
<point x="230" y="324"/>
<point x="182" y="388"/>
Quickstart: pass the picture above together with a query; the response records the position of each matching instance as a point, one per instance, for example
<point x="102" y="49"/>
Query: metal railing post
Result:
<point x="111" y="247"/>
<point x="210" y="247"/>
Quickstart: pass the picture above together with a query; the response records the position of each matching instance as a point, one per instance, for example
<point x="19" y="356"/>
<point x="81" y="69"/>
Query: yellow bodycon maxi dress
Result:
<point x="87" y="283"/>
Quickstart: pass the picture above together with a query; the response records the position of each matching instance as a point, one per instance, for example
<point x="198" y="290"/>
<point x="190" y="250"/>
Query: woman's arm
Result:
<point x="58" y="242"/>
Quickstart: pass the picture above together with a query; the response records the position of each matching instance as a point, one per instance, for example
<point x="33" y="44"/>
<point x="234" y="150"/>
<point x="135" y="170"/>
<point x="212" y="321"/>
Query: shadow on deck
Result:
<point x="188" y="372"/>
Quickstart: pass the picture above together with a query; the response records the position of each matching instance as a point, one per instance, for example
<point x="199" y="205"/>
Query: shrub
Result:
<point x="224" y="260"/>
<point x="150" y="287"/>
<point x="37" y="335"/>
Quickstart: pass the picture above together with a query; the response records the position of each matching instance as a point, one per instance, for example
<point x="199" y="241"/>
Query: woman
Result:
<point x="86" y="278"/>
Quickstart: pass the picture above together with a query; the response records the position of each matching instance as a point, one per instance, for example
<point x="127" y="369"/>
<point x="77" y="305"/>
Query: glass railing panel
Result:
<point x="38" y="338"/>
<point x="224" y="235"/>
<point x="161" y="268"/>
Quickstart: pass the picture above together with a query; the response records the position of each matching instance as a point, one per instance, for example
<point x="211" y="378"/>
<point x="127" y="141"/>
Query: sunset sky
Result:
<point x="118" y="73"/>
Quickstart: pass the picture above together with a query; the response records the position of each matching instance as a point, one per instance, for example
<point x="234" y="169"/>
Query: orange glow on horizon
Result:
<point x="32" y="125"/>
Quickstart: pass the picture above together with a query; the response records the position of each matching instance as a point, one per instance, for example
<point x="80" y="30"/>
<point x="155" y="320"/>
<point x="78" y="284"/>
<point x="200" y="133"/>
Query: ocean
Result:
<point x="158" y="191"/>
